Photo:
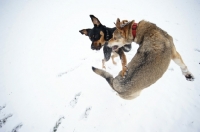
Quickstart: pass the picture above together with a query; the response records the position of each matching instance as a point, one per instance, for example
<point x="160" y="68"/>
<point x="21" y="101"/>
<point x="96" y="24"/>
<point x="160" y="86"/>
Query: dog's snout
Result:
<point x="92" y="47"/>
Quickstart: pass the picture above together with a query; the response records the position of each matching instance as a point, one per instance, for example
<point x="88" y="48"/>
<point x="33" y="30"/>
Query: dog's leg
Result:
<point x="123" y="61"/>
<point x="107" y="53"/>
<point x="109" y="78"/>
<point x="103" y="64"/>
<point x="176" y="57"/>
<point x="113" y="56"/>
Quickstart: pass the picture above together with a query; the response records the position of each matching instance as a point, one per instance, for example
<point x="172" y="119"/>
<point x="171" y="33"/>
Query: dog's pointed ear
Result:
<point x="85" y="31"/>
<point x="95" y="21"/>
<point x="117" y="24"/>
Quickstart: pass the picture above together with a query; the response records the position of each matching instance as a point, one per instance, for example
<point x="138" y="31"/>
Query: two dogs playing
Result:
<point x="156" y="50"/>
<point x="99" y="35"/>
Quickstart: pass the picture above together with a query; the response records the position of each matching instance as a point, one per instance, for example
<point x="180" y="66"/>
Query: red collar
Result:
<point x="134" y="27"/>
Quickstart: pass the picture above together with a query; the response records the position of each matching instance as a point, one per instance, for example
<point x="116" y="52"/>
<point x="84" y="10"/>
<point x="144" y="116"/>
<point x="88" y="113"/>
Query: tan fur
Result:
<point x="100" y="41"/>
<point x="124" y="63"/>
<point x="114" y="54"/>
<point x="156" y="49"/>
<point x="84" y="32"/>
<point x="96" y="21"/>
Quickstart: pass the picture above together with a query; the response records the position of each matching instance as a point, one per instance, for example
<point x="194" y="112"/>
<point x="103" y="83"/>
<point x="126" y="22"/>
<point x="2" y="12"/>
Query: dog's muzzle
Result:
<point x="93" y="47"/>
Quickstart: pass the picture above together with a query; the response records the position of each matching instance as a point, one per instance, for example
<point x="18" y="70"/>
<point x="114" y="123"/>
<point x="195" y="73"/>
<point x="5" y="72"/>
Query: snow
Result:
<point x="46" y="80"/>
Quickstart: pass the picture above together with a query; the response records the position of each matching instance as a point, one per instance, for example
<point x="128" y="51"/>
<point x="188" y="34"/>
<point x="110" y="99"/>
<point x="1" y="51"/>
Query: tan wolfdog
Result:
<point x="156" y="49"/>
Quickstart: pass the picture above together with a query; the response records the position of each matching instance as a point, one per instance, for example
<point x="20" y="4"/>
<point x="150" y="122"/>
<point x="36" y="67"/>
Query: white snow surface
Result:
<point x="46" y="80"/>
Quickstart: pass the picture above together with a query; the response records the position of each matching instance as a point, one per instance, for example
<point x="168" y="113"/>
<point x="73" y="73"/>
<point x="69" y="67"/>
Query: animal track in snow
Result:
<point x="87" y="112"/>
<point x="75" y="100"/>
<point x="58" y="123"/>
<point x="70" y="70"/>
<point x="17" y="127"/>
<point x="197" y="50"/>
<point x="4" y="120"/>
<point x="61" y="74"/>
<point x="1" y="107"/>
<point x="75" y="66"/>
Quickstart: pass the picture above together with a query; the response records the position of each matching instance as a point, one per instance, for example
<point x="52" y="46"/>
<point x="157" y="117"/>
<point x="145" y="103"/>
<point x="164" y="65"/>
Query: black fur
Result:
<point x="94" y="35"/>
<point x="107" y="52"/>
<point x="120" y="51"/>
<point x="127" y="48"/>
<point x="93" y="68"/>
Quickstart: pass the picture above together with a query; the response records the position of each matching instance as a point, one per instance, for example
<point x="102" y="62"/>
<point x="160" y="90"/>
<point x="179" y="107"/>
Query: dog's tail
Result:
<point x="109" y="78"/>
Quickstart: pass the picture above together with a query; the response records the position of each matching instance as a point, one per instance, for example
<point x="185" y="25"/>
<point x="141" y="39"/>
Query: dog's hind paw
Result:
<point x="189" y="77"/>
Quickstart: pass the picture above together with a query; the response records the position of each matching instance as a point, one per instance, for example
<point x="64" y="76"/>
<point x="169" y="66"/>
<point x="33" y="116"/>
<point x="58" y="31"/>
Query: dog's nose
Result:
<point x="92" y="47"/>
<point x="106" y="43"/>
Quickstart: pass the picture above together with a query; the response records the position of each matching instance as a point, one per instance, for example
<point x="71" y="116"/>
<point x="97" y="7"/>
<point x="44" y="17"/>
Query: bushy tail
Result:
<point x="109" y="78"/>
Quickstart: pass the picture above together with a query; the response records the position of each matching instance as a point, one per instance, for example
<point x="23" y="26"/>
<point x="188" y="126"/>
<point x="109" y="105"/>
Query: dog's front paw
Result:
<point x="115" y="63"/>
<point x="189" y="77"/>
<point x="124" y="72"/>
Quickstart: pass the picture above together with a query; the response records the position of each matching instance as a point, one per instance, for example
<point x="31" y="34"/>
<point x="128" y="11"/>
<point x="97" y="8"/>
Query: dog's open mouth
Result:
<point x="115" y="47"/>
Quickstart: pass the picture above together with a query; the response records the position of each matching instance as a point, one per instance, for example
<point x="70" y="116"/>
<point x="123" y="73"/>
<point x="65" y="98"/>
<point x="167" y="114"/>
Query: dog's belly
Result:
<point x="142" y="72"/>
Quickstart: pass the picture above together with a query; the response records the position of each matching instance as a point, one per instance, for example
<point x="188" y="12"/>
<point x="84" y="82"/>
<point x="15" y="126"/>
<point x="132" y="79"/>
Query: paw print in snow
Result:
<point x="87" y="112"/>
<point x="75" y="100"/>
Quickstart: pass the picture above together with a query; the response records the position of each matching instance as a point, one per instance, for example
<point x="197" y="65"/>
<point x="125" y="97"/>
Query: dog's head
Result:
<point x="119" y="37"/>
<point x="96" y="34"/>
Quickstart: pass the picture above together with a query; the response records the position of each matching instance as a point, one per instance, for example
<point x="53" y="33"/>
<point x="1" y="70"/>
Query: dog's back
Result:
<point x="156" y="49"/>
<point x="150" y="62"/>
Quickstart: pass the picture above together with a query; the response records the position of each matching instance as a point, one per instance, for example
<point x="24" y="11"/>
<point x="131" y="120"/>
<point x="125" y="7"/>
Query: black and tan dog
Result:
<point x="156" y="49"/>
<point x="99" y="35"/>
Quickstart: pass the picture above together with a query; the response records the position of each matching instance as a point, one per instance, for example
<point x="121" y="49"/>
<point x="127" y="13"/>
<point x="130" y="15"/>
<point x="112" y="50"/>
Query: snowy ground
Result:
<point x="46" y="81"/>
